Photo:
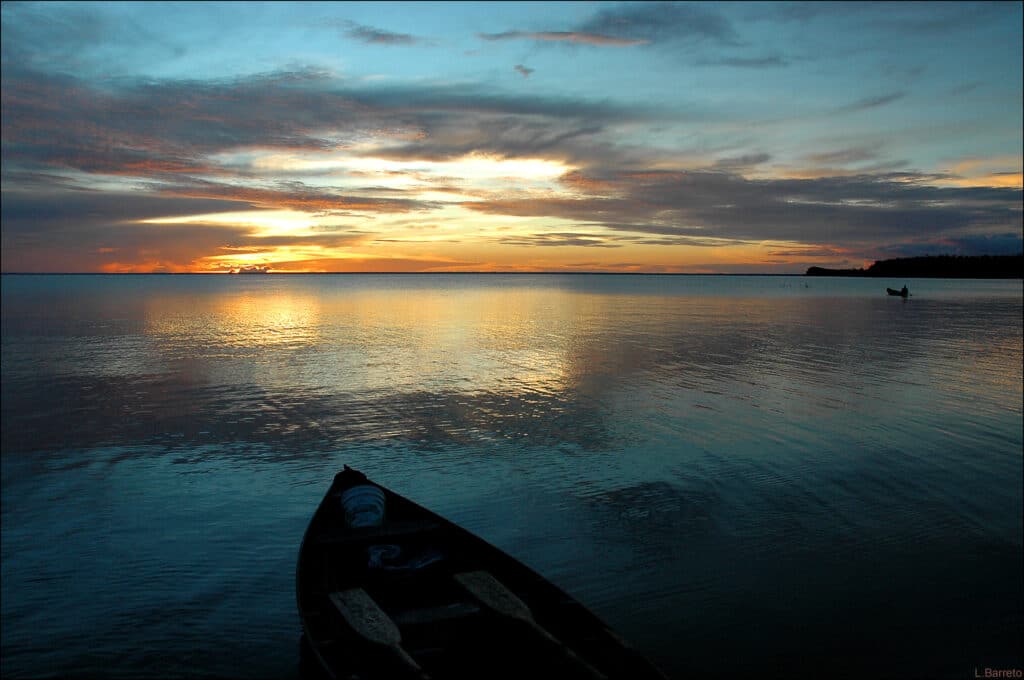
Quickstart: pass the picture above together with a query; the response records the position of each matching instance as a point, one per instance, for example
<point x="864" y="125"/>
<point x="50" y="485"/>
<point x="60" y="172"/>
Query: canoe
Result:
<point x="892" y="291"/>
<point x="413" y="595"/>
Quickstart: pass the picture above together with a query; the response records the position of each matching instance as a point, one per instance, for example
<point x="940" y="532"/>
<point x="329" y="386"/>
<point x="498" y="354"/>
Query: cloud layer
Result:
<point x="304" y="164"/>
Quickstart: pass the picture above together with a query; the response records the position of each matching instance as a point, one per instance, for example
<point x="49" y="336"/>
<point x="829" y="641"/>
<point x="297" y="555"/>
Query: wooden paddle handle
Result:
<point x="409" y="663"/>
<point x="571" y="656"/>
<point x="496" y="597"/>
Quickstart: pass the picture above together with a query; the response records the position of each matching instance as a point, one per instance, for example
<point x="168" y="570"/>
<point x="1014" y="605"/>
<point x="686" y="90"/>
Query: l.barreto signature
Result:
<point x="999" y="673"/>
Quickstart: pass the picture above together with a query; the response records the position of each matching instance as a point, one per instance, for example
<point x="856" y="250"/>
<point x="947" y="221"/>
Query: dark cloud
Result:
<point x="964" y="88"/>
<point x="751" y="62"/>
<point x="688" y="241"/>
<point x="454" y="137"/>
<point x="576" y="37"/>
<point x="377" y="36"/>
<point x="560" y="239"/>
<point x="93" y="244"/>
<point x="95" y="231"/>
<point x="970" y="244"/>
<point x="842" y="156"/>
<point x="77" y="37"/>
<point x="294" y="196"/>
<point x="741" y="162"/>
<point x="870" y="102"/>
<point x="172" y="128"/>
<point x="929" y="19"/>
<point x="53" y="209"/>
<point x="151" y="128"/>
<point x="663" y="22"/>
<point x="808" y="252"/>
<point x="832" y="210"/>
<point x="904" y="18"/>
<point x="638" y="24"/>
<point x="456" y="99"/>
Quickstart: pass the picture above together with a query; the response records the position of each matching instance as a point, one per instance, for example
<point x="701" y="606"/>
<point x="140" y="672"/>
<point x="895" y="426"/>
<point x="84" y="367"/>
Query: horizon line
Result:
<point x="378" y="273"/>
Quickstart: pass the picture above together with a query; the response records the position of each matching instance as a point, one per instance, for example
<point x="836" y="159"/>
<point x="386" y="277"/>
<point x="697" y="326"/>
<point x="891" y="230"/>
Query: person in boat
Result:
<point x="904" y="291"/>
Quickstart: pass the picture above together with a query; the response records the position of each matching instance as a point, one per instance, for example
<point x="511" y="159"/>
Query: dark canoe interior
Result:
<point x="442" y="628"/>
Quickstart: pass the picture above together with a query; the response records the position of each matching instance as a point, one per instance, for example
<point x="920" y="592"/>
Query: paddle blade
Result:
<point x="493" y="595"/>
<point x="371" y="623"/>
<point x="365" y="618"/>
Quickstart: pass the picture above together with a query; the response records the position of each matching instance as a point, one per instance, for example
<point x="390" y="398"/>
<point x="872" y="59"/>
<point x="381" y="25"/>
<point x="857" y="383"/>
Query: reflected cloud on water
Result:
<point x="319" y="370"/>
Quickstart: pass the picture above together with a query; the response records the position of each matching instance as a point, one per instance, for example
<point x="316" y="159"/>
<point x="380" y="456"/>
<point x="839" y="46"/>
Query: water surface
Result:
<point x="775" y="475"/>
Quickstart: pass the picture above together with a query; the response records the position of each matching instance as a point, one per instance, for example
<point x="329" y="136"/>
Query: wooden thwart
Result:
<point x="367" y="620"/>
<point x="433" y="615"/>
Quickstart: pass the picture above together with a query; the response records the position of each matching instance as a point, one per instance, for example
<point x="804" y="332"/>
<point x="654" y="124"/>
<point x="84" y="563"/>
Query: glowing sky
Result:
<point x="693" y="137"/>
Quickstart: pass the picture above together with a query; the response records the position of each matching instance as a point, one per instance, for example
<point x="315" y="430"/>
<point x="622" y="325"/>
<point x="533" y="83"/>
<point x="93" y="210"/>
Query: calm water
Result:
<point x="779" y="476"/>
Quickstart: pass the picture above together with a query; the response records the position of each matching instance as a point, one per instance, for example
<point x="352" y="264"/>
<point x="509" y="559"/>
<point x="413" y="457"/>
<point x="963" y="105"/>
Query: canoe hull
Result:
<point x="412" y="567"/>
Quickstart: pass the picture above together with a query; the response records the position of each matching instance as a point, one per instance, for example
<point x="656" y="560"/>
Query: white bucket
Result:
<point x="363" y="505"/>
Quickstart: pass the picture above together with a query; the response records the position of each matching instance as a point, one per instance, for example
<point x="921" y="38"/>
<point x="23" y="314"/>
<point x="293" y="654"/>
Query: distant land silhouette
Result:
<point x="939" y="267"/>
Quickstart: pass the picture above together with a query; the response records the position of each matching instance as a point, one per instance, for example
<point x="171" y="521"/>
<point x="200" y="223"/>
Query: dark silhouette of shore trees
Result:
<point x="938" y="266"/>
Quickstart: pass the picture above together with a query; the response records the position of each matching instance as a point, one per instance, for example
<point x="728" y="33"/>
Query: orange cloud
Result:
<point x="1008" y="180"/>
<point x="146" y="267"/>
<point x="590" y="185"/>
<point x="996" y="171"/>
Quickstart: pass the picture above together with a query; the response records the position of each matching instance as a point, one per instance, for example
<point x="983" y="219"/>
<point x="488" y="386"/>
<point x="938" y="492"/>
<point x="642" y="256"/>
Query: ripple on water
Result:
<point x="804" y="475"/>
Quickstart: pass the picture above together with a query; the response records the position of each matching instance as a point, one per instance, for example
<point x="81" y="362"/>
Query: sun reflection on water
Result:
<point x="246" y="321"/>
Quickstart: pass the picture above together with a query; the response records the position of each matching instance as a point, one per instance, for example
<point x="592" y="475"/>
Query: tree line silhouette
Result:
<point x="938" y="266"/>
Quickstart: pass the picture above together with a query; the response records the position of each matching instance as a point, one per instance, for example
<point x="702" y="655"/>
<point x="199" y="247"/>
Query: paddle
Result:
<point x="368" y="621"/>
<point x="492" y="595"/>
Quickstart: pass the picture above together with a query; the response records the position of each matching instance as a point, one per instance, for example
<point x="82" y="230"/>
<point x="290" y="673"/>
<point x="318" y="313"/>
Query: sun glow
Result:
<point x="264" y="222"/>
<point x="472" y="166"/>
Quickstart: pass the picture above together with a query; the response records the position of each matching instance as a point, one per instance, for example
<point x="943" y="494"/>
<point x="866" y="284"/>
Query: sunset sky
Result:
<point x="588" y="136"/>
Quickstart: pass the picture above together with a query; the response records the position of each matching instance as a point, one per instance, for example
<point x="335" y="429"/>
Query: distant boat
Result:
<point x="899" y="293"/>
<point x="388" y="590"/>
